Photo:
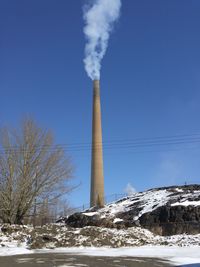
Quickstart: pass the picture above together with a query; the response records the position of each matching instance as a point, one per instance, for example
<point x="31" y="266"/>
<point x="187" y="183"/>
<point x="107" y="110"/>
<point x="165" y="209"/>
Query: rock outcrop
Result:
<point x="169" y="220"/>
<point x="164" y="211"/>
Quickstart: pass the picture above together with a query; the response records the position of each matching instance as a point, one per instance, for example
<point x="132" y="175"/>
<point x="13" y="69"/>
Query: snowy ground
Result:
<point x="95" y="241"/>
<point x="180" y="250"/>
<point x="178" y="256"/>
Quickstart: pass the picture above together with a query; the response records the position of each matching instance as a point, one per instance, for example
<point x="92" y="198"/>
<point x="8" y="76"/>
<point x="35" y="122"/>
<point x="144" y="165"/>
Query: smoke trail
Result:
<point x="99" y="18"/>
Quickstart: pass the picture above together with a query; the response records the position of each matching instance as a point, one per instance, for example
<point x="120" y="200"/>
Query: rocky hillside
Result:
<point x="164" y="211"/>
<point x="173" y="212"/>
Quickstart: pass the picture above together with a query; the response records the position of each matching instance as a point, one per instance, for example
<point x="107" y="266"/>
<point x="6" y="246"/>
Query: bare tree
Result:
<point x="50" y="212"/>
<point x="32" y="169"/>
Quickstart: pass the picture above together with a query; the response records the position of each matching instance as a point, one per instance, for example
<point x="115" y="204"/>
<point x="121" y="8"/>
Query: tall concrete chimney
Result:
<point x="97" y="178"/>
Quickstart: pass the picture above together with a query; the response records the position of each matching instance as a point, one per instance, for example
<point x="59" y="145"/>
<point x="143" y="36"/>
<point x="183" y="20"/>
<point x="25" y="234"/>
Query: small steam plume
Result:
<point x="130" y="190"/>
<point x="99" y="17"/>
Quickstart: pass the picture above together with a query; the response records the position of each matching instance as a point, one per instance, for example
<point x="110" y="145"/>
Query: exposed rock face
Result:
<point x="169" y="220"/>
<point x="164" y="211"/>
<point x="79" y="220"/>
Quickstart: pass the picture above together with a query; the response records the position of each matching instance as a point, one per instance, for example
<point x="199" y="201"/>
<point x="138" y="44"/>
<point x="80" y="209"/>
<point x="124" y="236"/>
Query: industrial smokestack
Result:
<point x="97" y="178"/>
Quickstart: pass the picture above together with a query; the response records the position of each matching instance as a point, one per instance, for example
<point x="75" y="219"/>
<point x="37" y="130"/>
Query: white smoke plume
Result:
<point x="130" y="190"/>
<point x="99" y="17"/>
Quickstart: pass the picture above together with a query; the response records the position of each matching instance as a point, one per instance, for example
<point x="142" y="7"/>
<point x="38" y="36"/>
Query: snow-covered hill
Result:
<point x="120" y="225"/>
<point x="165" y="211"/>
<point x="175" y="210"/>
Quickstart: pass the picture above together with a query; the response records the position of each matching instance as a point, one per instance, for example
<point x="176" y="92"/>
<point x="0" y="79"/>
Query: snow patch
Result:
<point x="187" y="203"/>
<point x="151" y="200"/>
<point x="116" y="220"/>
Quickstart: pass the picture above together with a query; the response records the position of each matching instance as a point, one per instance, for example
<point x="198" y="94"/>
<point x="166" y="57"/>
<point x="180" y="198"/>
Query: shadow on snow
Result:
<point x="191" y="265"/>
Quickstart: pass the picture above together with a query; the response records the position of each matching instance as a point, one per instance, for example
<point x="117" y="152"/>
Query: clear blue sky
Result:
<point x="150" y="85"/>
